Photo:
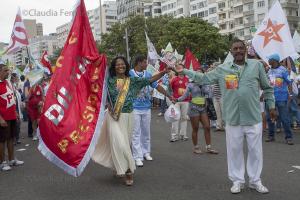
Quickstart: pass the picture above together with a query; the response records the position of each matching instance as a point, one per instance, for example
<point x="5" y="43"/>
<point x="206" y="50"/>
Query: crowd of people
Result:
<point x="19" y="102"/>
<point x="243" y="97"/>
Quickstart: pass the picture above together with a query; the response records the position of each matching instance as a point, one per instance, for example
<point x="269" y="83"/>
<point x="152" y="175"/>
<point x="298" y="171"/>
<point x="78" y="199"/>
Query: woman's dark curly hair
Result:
<point x="112" y="69"/>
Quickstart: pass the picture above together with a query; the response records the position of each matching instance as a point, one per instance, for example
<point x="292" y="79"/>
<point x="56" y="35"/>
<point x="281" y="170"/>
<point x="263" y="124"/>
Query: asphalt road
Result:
<point x="176" y="173"/>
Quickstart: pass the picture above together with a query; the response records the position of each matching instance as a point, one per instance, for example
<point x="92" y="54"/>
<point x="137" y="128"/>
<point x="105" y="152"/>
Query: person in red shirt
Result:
<point x="8" y="117"/>
<point x="178" y="86"/>
<point x="34" y="106"/>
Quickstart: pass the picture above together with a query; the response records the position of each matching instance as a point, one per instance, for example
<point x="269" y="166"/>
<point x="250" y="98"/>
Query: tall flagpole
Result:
<point x="127" y="46"/>
<point x="27" y="50"/>
<point x="100" y="10"/>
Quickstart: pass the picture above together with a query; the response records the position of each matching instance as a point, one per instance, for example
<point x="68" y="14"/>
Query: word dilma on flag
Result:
<point x="73" y="110"/>
<point x="273" y="35"/>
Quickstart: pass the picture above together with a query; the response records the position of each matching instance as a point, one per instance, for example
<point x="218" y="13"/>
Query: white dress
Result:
<point x="113" y="148"/>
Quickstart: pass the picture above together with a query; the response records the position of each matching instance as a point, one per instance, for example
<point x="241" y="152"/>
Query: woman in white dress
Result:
<point x="113" y="148"/>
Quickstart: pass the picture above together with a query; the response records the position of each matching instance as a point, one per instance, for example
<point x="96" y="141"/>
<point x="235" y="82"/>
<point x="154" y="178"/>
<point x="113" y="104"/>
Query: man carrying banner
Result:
<point x="113" y="148"/>
<point x="239" y="83"/>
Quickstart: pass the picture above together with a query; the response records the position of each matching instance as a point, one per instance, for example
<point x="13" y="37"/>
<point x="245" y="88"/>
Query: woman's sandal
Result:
<point x="128" y="179"/>
<point x="211" y="151"/>
<point x="197" y="150"/>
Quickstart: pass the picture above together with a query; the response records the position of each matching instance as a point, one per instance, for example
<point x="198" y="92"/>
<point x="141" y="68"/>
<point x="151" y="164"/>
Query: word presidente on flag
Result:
<point x="73" y="110"/>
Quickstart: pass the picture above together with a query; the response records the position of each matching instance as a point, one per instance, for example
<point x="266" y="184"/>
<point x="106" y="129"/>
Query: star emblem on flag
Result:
<point x="271" y="32"/>
<point x="9" y="97"/>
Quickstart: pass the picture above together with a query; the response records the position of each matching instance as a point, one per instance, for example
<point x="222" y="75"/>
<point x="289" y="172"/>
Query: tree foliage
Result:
<point x="202" y="38"/>
<point x="55" y="56"/>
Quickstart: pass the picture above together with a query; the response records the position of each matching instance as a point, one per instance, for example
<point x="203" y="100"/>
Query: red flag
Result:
<point x="19" y="36"/>
<point x="73" y="110"/>
<point x="191" y="61"/>
<point x="45" y="61"/>
<point x="162" y="66"/>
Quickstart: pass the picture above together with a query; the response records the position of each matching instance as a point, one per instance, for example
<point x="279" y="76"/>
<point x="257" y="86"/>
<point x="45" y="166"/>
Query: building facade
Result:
<point x="242" y="17"/>
<point x="108" y="15"/>
<point x="40" y="44"/>
<point x="95" y="22"/>
<point x="128" y="8"/>
<point x="237" y="17"/>
<point x="152" y="9"/>
<point x="176" y="8"/>
<point x="62" y="33"/>
<point x="33" y="29"/>
<point x="205" y="9"/>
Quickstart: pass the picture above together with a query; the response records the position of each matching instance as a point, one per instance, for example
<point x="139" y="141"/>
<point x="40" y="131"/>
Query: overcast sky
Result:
<point x="61" y="8"/>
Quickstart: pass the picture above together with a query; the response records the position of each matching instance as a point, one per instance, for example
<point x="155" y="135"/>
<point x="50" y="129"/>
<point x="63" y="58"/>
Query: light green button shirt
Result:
<point x="241" y="106"/>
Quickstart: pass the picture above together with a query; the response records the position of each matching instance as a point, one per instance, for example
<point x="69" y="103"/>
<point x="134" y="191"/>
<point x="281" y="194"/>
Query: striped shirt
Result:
<point x="217" y="91"/>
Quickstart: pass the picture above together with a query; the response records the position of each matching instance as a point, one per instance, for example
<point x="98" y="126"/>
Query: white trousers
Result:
<point x="141" y="133"/>
<point x="218" y="108"/>
<point x="183" y="107"/>
<point x="235" y="152"/>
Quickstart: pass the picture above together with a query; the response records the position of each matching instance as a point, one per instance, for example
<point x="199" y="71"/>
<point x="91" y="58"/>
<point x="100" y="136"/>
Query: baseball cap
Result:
<point x="274" y="56"/>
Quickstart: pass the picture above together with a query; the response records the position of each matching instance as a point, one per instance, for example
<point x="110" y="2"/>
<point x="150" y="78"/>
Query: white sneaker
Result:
<point x="139" y="163"/>
<point x="259" y="188"/>
<point x="5" y="167"/>
<point x="185" y="138"/>
<point x="148" y="157"/>
<point x="160" y="114"/>
<point x="15" y="162"/>
<point x="35" y="138"/>
<point x="175" y="139"/>
<point x="236" y="188"/>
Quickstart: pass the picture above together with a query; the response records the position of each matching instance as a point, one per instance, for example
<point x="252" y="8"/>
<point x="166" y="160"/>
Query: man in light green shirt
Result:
<point x="240" y="82"/>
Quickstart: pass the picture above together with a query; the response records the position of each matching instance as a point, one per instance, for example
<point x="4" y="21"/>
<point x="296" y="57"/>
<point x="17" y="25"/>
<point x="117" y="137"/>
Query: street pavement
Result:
<point x="175" y="174"/>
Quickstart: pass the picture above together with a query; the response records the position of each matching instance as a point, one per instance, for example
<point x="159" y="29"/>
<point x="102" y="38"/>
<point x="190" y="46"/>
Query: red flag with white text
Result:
<point x="19" y="37"/>
<point x="73" y="110"/>
<point x="46" y="62"/>
<point x="191" y="62"/>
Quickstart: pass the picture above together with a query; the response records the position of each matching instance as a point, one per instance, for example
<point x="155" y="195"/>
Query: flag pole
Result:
<point x="27" y="50"/>
<point x="127" y="46"/>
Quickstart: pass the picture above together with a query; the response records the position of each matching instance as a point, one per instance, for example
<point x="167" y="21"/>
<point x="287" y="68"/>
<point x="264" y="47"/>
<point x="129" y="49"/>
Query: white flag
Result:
<point x="296" y="40"/>
<point x="152" y="53"/>
<point x="19" y="36"/>
<point x="274" y="36"/>
<point x="229" y="58"/>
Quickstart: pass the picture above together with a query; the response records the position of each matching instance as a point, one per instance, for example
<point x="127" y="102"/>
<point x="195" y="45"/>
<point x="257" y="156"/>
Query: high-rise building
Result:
<point x="176" y="8"/>
<point x="40" y="44"/>
<point x="152" y="9"/>
<point x="108" y="15"/>
<point x="30" y="25"/>
<point x="100" y="22"/>
<point x="33" y="29"/>
<point x="292" y="11"/>
<point x="243" y="17"/>
<point x="39" y="29"/>
<point x="128" y="8"/>
<point x="204" y="9"/>
<point x="62" y="33"/>
<point x="95" y="22"/>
